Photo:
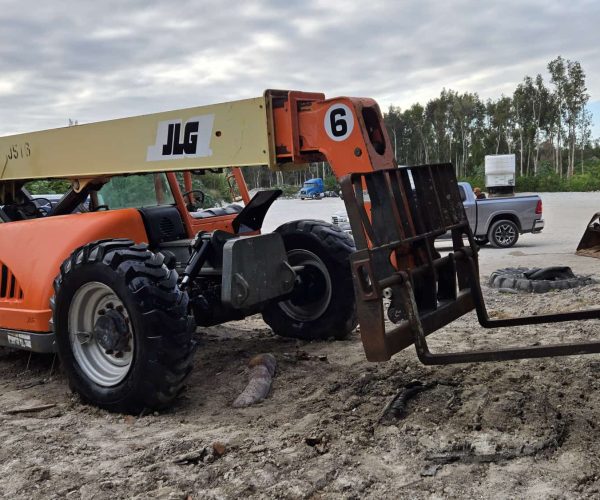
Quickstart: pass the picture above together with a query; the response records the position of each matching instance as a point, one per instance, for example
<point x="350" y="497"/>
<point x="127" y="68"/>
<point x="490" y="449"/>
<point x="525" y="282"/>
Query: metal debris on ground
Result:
<point x="396" y="408"/>
<point x="430" y="470"/>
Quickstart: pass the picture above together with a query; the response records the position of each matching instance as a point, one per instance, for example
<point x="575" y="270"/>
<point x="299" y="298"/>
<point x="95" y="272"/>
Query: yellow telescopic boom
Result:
<point x="220" y="135"/>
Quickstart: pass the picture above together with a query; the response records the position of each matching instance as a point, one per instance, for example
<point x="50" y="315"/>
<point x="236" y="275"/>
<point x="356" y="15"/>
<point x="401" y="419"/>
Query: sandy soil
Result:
<point x="525" y="429"/>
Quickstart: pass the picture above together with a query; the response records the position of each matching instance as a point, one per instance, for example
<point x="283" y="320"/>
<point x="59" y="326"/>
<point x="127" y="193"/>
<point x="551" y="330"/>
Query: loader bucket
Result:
<point x="396" y="215"/>
<point x="589" y="246"/>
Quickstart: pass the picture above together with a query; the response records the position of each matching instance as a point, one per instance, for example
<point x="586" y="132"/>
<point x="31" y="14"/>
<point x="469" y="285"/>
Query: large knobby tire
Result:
<point x="503" y="233"/>
<point x="122" y="326"/>
<point x="322" y="304"/>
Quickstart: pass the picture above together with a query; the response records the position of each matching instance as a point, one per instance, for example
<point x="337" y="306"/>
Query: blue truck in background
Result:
<point x="312" y="188"/>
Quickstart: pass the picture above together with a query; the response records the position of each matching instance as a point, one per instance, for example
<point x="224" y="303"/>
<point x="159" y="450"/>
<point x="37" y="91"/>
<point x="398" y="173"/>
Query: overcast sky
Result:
<point x="95" y="60"/>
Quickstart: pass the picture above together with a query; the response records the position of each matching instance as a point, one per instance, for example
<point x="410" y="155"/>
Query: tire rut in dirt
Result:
<point x="500" y="421"/>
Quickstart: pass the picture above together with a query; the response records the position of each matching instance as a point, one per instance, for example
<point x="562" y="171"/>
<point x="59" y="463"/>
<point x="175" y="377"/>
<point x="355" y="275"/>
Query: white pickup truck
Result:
<point x="498" y="221"/>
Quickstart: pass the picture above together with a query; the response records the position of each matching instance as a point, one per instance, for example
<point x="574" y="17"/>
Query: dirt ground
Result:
<point x="523" y="429"/>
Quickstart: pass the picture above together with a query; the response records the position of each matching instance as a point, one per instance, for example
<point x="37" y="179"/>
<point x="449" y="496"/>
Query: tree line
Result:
<point x="544" y="122"/>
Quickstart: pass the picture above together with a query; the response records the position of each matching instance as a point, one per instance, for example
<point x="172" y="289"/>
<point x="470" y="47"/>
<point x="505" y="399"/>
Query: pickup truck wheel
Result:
<point x="122" y="326"/>
<point x="503" y="233"/>
<point x="322" y="304"/>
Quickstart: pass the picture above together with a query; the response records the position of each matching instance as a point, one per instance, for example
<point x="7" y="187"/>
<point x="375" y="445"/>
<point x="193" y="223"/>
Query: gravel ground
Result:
<point x="523" y="429"/>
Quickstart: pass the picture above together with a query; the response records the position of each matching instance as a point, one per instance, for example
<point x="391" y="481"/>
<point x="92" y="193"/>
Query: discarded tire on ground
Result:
<point x="538" y="280"/>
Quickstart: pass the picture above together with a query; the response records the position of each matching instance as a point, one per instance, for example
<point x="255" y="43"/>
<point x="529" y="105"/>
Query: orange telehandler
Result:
<point x="116" y="274"/>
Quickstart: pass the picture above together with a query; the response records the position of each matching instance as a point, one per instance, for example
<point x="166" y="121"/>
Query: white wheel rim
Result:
<point x="104" y="369"/>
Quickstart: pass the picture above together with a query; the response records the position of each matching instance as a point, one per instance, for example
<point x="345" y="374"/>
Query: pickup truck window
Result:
<point x="463" y="194"/>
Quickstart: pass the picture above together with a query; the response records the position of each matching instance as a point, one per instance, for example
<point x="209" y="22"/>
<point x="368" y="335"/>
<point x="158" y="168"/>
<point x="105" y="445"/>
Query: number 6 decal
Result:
<point x="339" y="122"/>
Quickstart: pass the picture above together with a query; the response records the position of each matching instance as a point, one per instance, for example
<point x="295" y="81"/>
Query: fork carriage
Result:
<point x="396" y="216"/>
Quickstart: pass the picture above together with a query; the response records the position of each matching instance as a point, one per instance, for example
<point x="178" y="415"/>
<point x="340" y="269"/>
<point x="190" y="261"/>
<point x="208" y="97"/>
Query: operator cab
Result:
<point x="202" y="195"/>
<point x="17" y="203"/>
<point x="210" y="196"/>
<point x="174" y="206"/>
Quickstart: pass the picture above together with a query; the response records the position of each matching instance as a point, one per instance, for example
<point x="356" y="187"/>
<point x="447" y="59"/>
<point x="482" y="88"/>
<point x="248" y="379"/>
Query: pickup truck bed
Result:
<point x="498" y="221"/>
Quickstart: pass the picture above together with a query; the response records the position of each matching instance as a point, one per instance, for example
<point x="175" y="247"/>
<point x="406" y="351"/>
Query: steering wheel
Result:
<point x="198" y="199"/>
<point x="43" y="206"/>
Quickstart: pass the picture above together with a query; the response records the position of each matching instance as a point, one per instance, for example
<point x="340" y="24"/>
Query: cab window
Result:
<point x="136" y="191"/>
<point x="210" y="189"/>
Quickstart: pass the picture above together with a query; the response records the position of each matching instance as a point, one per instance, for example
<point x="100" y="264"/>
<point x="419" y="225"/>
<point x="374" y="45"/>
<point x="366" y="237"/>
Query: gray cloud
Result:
<point x="99" y="60"/>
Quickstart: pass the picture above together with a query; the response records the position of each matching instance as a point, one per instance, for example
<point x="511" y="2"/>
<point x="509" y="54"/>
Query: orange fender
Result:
<point x="32" y="251"/>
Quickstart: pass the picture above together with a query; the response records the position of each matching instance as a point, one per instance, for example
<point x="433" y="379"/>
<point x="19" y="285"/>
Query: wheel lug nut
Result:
<point x="119" y="308"/>
<point x="110" y="305"/>
<point x="101" y="312"/>
<point x="118" y="354"/>
<point x="109" y="351"/>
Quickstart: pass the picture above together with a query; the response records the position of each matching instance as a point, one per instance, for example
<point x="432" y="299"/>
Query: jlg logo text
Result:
<point x="176" y="140"/>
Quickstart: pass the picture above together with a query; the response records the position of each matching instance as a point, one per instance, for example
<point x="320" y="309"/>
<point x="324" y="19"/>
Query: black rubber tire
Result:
<point x="509" y="230"/>
<point x="518" y="278"/>
<point x="157" y="309"/>
<point x="333" y="247"/>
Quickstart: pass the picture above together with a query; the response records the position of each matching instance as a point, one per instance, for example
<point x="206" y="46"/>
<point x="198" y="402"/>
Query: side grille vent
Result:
<point x="9" y="286"/>
<point x="167" y="227"/>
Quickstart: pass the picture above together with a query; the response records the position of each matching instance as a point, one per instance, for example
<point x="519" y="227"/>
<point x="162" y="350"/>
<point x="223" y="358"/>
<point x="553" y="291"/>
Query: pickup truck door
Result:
<point x="470" y="207"/>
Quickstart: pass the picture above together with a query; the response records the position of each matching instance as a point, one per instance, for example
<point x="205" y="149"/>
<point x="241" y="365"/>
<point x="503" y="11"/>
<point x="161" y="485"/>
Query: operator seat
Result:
<point x="231" y="209"/>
